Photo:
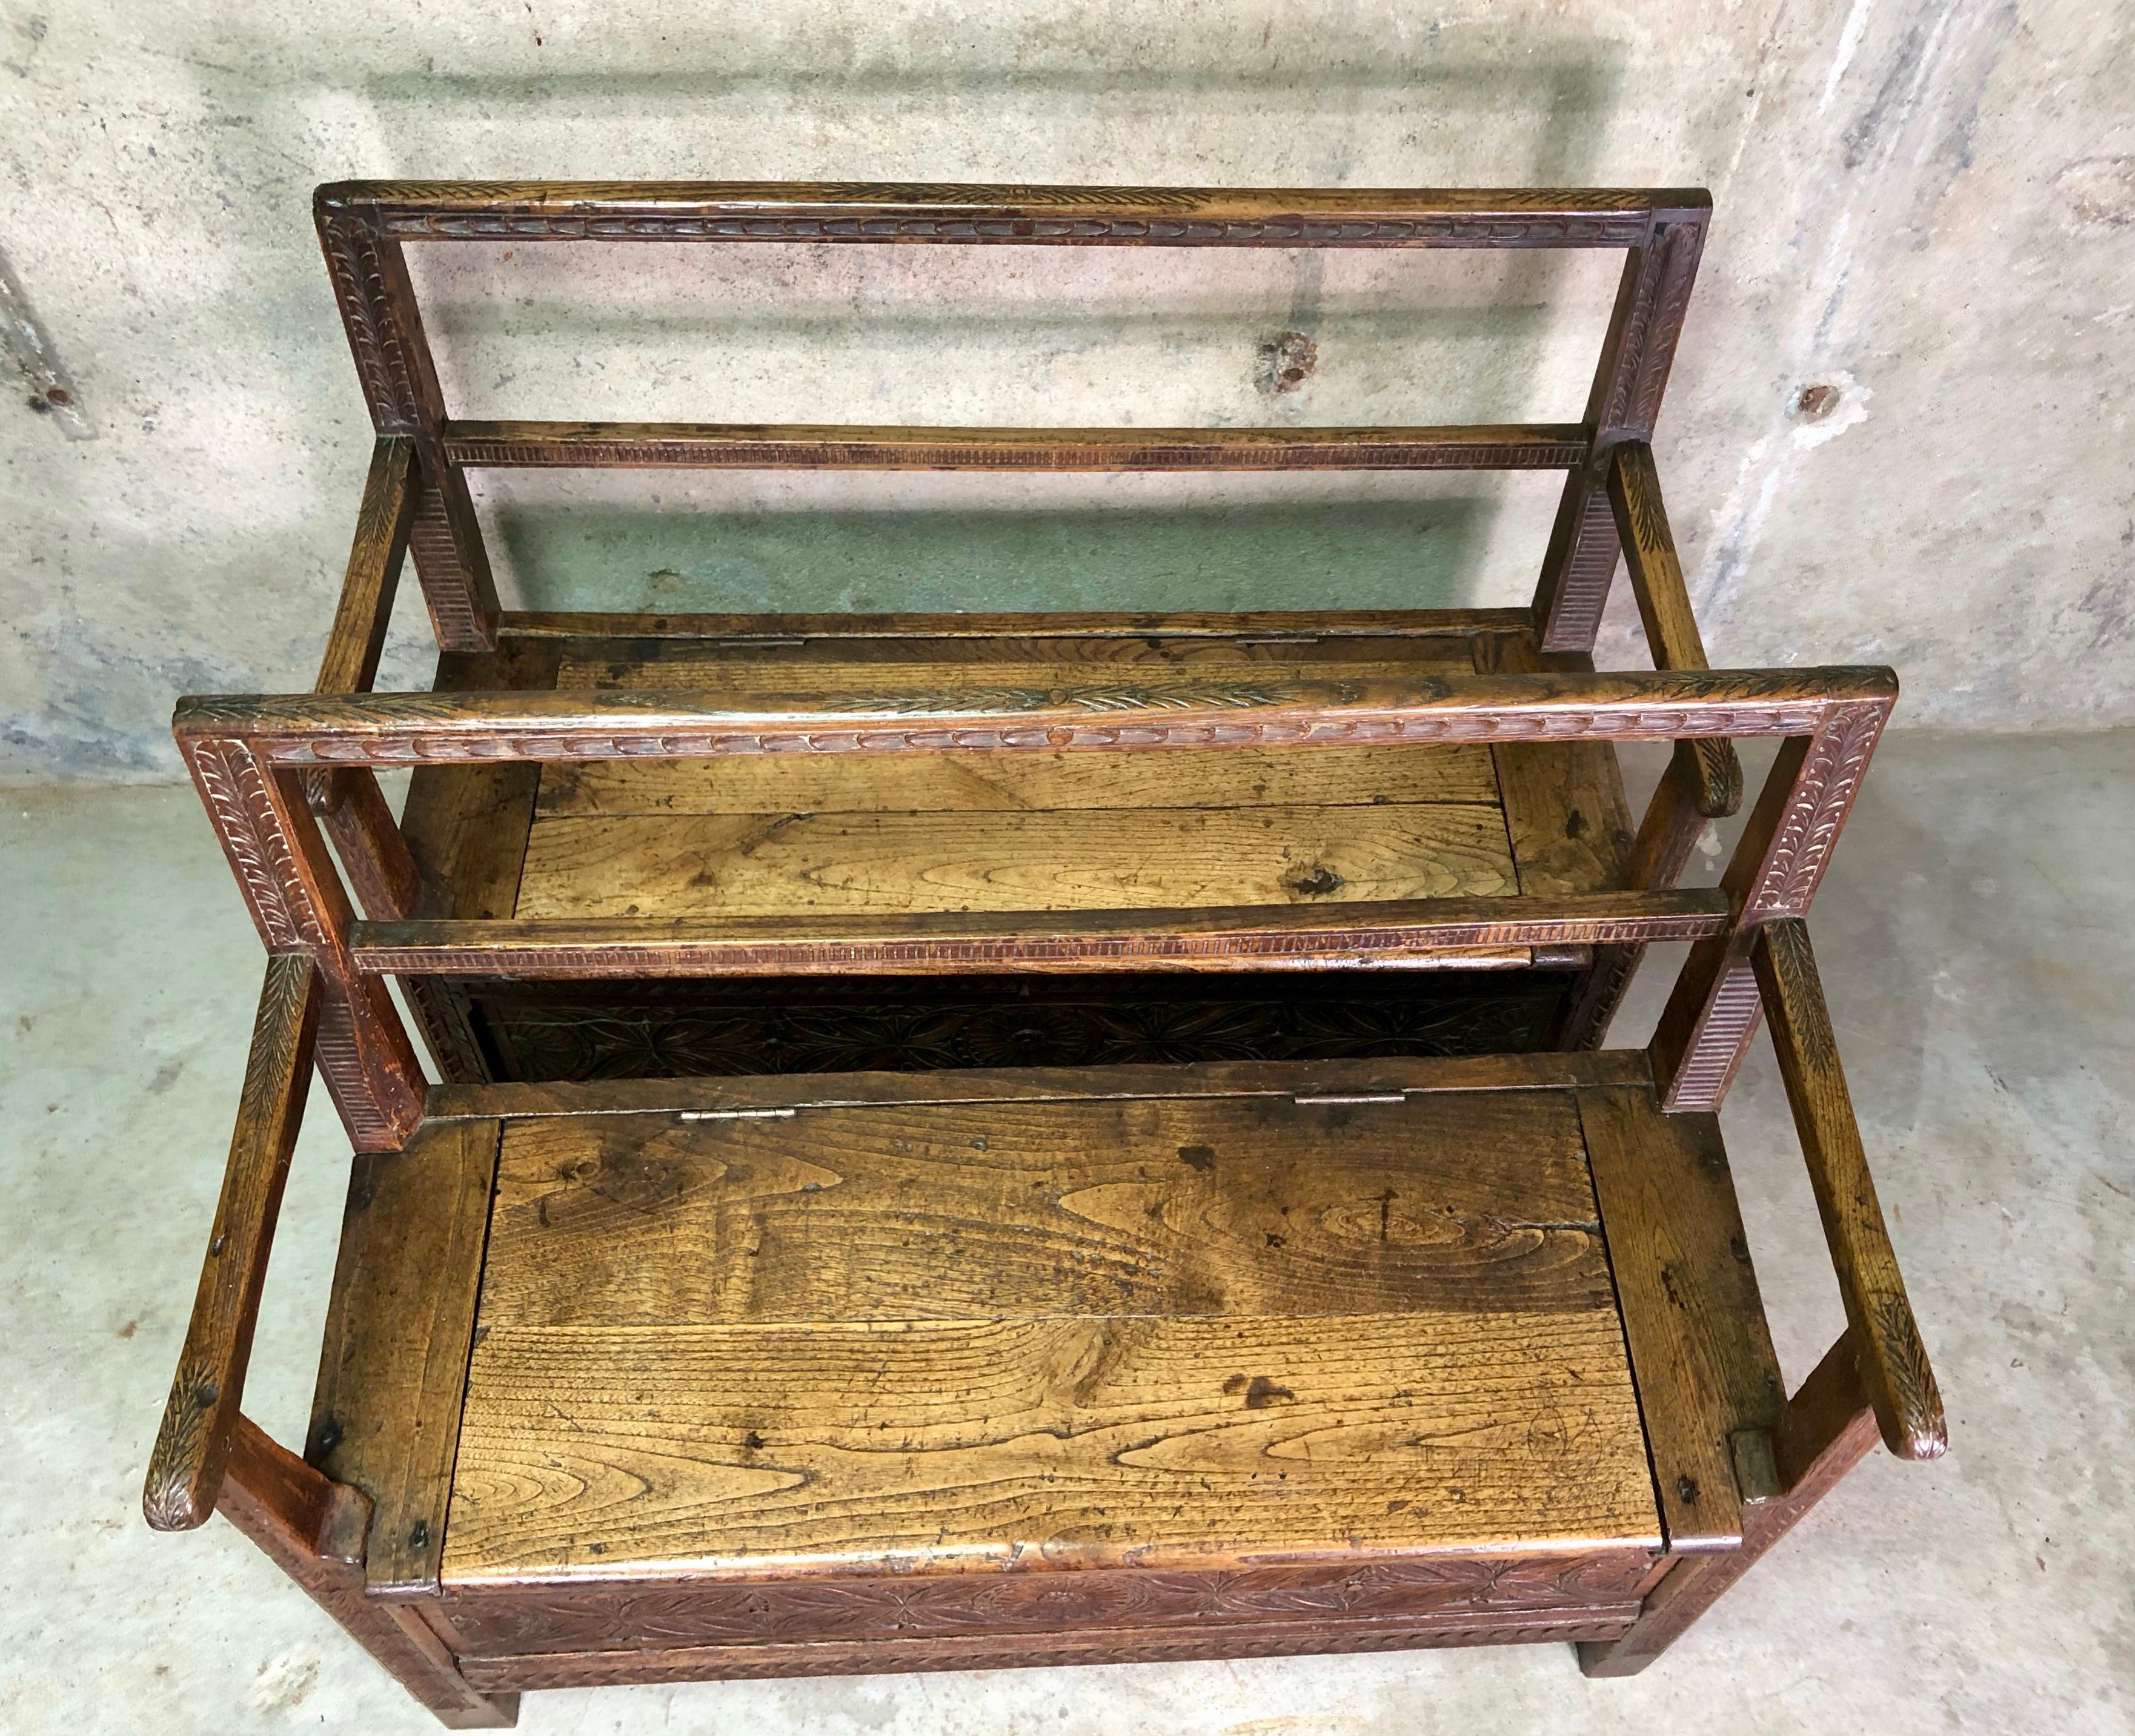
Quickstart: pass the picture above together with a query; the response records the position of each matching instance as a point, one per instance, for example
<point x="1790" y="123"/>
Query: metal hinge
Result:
<point x="734" y="1115"/>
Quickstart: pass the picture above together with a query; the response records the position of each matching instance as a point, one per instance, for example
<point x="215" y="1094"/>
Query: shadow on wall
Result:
<point x="558" y="331"/>
<point x="1368" y="554"/>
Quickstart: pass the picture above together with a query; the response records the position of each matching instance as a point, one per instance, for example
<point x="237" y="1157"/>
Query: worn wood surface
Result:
<point x="1892" y="1362"/>
<point x="1168" y="1332"/>
<point x="1565" y="813"/>
<point x="366" y="608"/>
<point x="466" y="824"/>
<point x="368" y="843"/>
<point x="466" y="828"/>
<point x="1692" y="1318"/>
<point x="870" y="1213"/>
<point x="1093" y="1441"/>
<point x="1460" y="1593"/>
<point x="1096" y="1642"/>
<point x="393" y="1369"/>
<point x="787" y="864"/>
<point x="193" y="1445"/>
<point x="858" y="666"/>
<point x="1503" y="446"/>
<point x="1231" y="779"/>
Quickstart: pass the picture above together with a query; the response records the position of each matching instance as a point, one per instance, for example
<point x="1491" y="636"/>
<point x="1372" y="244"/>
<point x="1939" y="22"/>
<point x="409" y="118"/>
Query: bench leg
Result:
<point x="1829" y="1428"/>
<point x="291" y="1512"/>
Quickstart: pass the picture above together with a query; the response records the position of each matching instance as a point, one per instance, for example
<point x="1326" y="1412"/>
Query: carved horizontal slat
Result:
<point x="1039" y="215"/>
<point x="1118" y="940"/>
<point x="413" y="729"/>
<point x="713" y="446"/>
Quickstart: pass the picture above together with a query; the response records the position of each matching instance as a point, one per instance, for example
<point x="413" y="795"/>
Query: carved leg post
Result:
<point x="313" y="1529"/>
<point x="1828" y="1429"/>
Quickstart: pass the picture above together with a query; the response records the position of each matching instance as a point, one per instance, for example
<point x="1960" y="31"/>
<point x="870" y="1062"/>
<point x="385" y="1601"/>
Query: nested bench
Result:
<point x="668" y="1379"/>
<point x="1051" y="859"/>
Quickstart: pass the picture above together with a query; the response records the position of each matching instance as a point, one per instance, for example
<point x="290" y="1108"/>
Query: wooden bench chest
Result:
<point x="966" y="1141"/>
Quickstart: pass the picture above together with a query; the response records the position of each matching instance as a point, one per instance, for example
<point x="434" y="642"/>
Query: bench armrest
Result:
<point x="1890" y="1361"/>
<point x="193" y="1447"/>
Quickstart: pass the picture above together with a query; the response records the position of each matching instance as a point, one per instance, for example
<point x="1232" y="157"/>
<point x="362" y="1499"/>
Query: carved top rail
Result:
<point x="910" y="211"/>
<point x="406" y="729"/>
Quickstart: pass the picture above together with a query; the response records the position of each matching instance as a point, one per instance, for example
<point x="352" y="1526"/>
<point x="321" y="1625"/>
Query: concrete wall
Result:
<point x="1927" y="206"/>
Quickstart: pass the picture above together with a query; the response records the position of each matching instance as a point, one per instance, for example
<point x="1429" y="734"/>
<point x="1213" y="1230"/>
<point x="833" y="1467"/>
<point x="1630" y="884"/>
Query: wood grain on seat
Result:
<point x="1137" y="1331"/>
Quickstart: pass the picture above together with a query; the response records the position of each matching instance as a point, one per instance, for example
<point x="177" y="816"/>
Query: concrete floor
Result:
<point x="1977" y="949"/>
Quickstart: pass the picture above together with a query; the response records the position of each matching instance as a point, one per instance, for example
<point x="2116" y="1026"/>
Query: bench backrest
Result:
<point x="365" y="226"/>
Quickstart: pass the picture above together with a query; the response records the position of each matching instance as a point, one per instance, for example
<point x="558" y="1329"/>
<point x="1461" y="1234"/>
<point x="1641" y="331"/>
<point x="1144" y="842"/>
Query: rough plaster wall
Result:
<point x="1927" y="204"/>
